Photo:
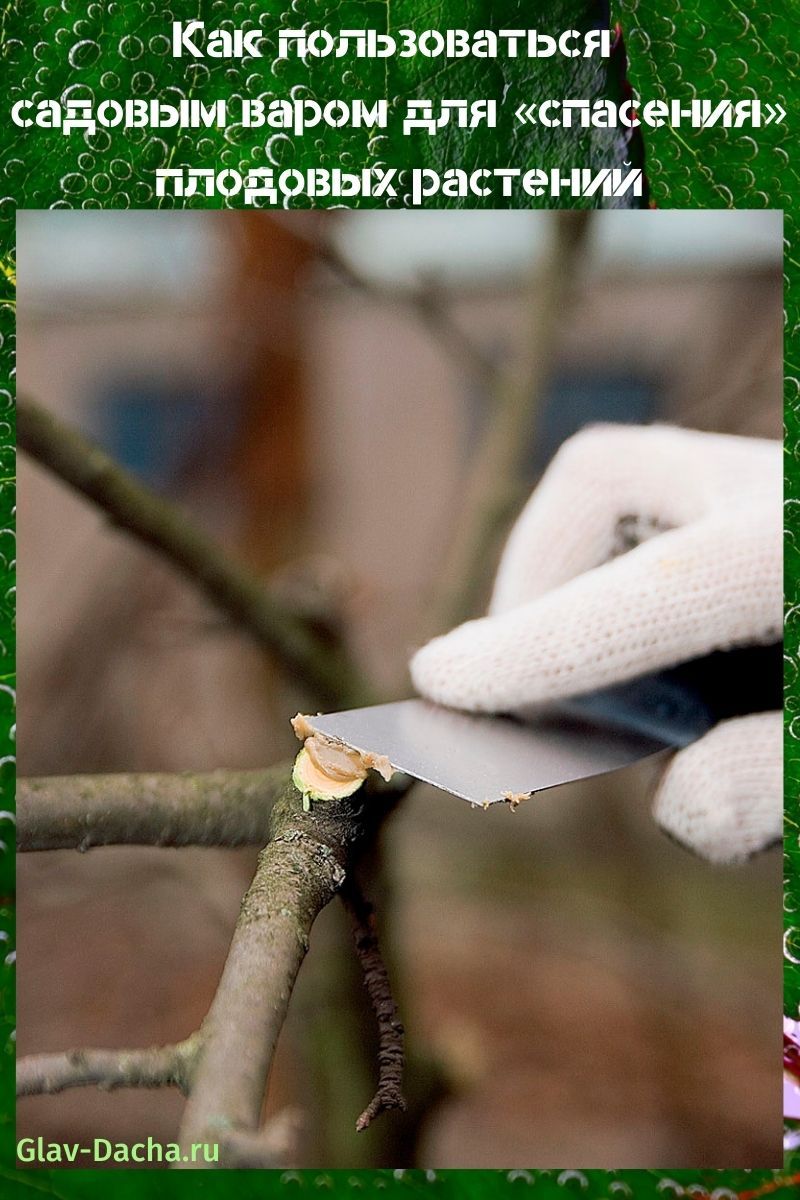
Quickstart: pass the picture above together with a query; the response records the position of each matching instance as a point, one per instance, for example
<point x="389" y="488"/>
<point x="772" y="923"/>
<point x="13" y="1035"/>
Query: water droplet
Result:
<point x="574" y="1179"/>
<point x="74" y="183"/>
<point x="131" y="47"/>
<point x="142" y="83"/>
<point x="83" y="54"/>
<point x="99" y="140"/>
<point x="155" y="153"/>
<point x="159" y="44"/>
<point x="279" y="149"/>
<point x="77" y="91"/>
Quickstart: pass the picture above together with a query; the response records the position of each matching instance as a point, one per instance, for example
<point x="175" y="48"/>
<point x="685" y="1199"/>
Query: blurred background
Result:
<point x="576" y="989"/>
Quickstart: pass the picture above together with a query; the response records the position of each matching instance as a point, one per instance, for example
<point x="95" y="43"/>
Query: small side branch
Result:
<point x="213" y="808"/>
<point x="156" y="1066"/>
<point x="423" y="303"/>
<point x="389" y="1093"/>
<point x="326" y="670"/>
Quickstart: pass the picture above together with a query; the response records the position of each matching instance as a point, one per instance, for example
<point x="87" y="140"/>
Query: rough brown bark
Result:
<point x="391" y="1058"/>
<point x="299" y="871"/>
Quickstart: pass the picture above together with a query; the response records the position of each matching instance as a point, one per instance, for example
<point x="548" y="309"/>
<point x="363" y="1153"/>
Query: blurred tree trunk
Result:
<point x="269" y="453"/>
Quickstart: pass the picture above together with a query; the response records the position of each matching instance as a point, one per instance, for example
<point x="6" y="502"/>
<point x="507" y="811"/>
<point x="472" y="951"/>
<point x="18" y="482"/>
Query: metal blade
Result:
<point x="485" y="759"/>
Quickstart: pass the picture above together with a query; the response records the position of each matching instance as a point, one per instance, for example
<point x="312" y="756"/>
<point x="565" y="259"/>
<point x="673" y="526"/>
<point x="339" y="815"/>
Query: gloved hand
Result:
<point x="700" y="517"/>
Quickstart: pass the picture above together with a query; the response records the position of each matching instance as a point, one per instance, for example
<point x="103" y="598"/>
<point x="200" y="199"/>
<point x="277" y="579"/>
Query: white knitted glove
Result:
<point x="571" y="612"/>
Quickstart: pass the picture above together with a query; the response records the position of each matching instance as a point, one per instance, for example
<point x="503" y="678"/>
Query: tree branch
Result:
<point x="389" y="1093"/>
<point x="298" y="873"/>
<point x="224" y="1066"/>
<point x="325" y="669"/>
<point x="214" y="808"/>
<point x="269" y="1147"/>
<point x="156" y="1066"/>
<point x="494" y="476"/>
<point x="425" y="304"/>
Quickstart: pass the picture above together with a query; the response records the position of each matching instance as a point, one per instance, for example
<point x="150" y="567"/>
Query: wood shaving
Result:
<point x="514" y="799"/>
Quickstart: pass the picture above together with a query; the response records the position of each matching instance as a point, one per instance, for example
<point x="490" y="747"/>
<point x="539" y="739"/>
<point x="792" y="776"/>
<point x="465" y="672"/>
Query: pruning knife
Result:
<point x="490" y="758"/>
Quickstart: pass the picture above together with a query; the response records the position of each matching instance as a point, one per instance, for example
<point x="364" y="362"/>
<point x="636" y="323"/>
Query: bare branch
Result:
<point x="156" y="1066"/>
<point x="298" y="873"/>
<point x="426" y="305"/>
<point x="271" y="1146"/>
<point x="324" y="668"/>
<point x="214" y="808"/>
<point x="494" y="476"/>
<point x="223" y="1068"/>
<point x="389" y="1093"/>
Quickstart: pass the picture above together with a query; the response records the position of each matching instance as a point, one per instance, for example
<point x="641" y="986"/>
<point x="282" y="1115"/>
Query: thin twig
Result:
<point x="391" y="1058"/>
<point x="425" y="304"/>
<point x="213" y="808"/>
<point x="161" y="525"/>
<point x="495" y="474"/>
<point x="153" y="1067"/>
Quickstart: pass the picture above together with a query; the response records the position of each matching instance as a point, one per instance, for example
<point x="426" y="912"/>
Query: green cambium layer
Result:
<point x="677" y="48"/>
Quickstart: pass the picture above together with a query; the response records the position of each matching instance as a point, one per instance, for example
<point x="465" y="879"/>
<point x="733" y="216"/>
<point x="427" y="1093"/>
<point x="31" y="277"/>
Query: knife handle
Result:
<point x="679" y="705"/>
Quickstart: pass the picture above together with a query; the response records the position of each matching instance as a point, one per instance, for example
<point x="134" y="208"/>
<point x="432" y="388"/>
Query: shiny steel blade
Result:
<point x="485" y="759"/>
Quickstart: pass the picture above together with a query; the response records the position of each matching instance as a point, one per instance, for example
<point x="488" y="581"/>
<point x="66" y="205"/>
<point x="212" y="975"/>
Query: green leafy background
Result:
<point x="112" y="50"/>
<point x="677" y="49"/>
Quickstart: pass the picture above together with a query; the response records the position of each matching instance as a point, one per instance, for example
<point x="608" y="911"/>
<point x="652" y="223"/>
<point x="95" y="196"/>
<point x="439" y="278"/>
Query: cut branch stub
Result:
<point x="327" y="769"/>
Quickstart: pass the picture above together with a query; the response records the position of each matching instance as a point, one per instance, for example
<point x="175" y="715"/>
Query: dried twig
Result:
<point x="212" y="808"/>
<point x="325" y="668"/>
<point x="156" y="1066"/>
<point x="389" y="1092"/>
